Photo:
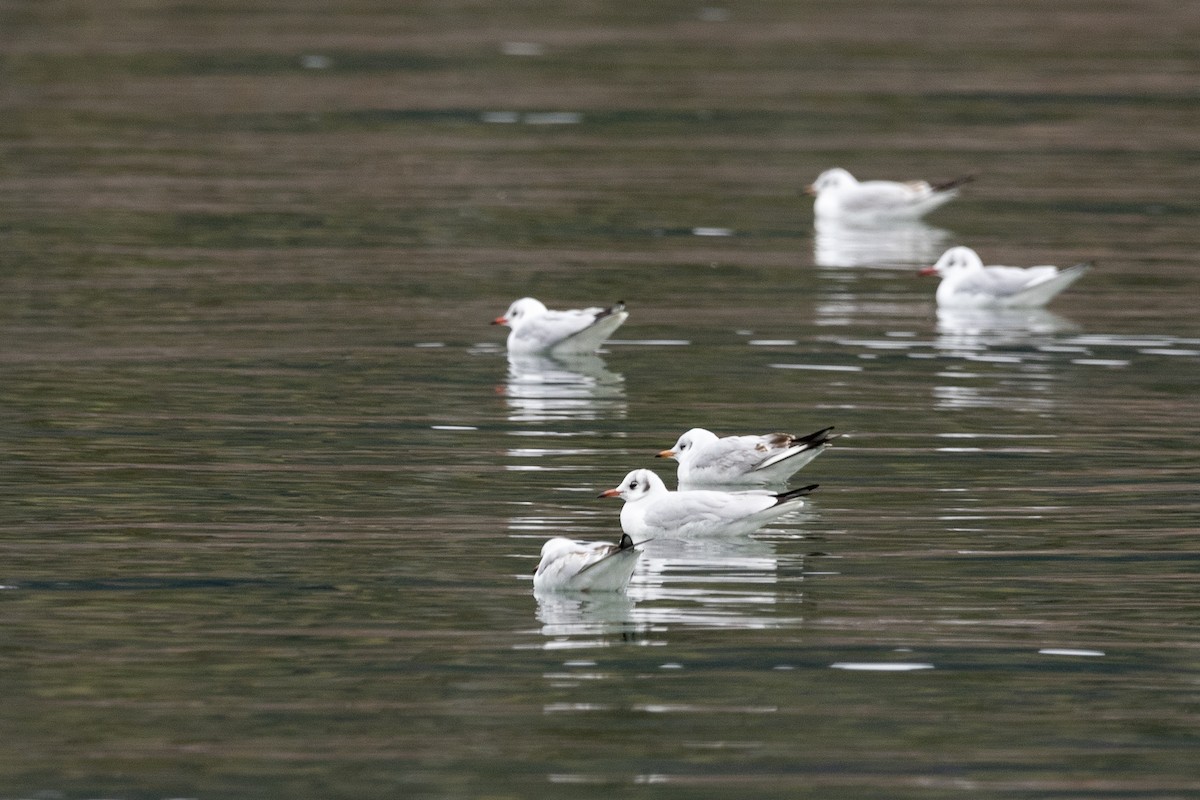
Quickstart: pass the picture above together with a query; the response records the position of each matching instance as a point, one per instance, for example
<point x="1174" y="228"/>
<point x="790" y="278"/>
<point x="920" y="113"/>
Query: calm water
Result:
<point x="272" y="493"/>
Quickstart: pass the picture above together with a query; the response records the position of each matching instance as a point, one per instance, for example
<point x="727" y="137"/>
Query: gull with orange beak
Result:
<point x="537" y="329"/>
<point x="652" y="510"/>
<point x="705" y="459"/>
<point x="844" y="199"/>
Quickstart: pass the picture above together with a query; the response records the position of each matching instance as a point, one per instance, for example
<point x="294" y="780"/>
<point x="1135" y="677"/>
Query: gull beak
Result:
<point x="666" y="454"/>
<point x="610" y="493"/>
<point x="928" y="271"/>
<point x="810" y="190"/>
<point x="500" y="321"/>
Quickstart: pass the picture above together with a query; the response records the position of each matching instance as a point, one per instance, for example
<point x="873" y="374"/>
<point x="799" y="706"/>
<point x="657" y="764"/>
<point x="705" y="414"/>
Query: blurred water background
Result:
<point x="271" y="492"/>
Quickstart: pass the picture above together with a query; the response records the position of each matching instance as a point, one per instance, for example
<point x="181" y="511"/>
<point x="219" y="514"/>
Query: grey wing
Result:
<point x="882" y="196"/>
<point x="600" y="553"/>
<point x="1005" y="281"/>
<point x="1041" y="291"/>
<point x="554" y="326"/>
<point x="738" y="455"/>
<point x="707" y="507"/>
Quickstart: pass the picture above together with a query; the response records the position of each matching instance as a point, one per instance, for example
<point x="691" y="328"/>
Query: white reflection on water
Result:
<point x="896" y="245"/>
<point x="1026" y="394"/>
<point x="551" y="388"/>
<point x="991" y="327"/>
<point x="985" y="341"/>
<point x="579" y="614"/>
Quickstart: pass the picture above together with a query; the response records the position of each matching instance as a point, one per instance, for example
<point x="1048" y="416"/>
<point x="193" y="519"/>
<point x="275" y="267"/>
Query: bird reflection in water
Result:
<point x="997" y="328"/>
<point x="897" y="244"/>
<point x="586" y="614"/>
<point x="1010" y="340"/>
<point x="542" y="388"/>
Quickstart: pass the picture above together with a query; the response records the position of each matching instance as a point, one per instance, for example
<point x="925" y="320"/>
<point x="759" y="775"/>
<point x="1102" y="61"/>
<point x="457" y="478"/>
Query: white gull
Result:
<point x="568" y="565"/>
<point x="652" y="510"/>
<point x="843" y="198"/>
<point x="768" y="459"/>
<point x="967" y="283"/>
<point x="537" y="329"/>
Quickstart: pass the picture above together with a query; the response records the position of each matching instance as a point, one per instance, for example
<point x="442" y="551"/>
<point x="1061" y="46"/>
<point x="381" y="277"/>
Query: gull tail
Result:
<point x="949" y="185"/>
<point x="794" y="494"/>
<point x="816" y="438"/>
<point x="616" y="308"/>
<point x="1041" y="293"/>
<point x="800" y="451"/>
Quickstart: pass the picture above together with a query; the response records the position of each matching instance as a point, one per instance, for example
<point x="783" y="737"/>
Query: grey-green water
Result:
<point x="271" y="493"/>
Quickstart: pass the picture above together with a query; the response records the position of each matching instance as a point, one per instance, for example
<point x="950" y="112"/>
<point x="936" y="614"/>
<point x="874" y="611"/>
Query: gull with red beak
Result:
<point x="653" y="510"/>
<point x="968" y="284"/>
<point x="537" y="329"/>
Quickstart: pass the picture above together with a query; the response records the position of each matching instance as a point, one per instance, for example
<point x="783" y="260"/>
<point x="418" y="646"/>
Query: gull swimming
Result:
<point x="705" y="458"/>
<point x="843" y="198"/>
<point x="568" y="565"/>
<point x="652" y="510"/>
<point x="537" y="329"/>
<point x="967" y="283"/>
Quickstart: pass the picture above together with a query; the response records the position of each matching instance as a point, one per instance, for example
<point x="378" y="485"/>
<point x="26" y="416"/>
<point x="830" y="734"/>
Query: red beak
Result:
<point x="609" y="493"/>
<point x="928" y="271"/>
<point x="500" y="321"/>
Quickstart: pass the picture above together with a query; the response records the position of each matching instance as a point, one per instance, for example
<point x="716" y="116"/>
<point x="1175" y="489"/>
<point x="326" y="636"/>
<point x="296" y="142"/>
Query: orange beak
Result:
<point x="928" y="271"/>
<point x="610" y="493"/>
<point x="810" y="190"/>
<point x="666" y="454"/>
<point x="500" y="321"/>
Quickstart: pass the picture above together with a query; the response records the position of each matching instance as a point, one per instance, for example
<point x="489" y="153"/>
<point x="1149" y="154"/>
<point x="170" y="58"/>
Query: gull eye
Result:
<point x="633" y="484"/>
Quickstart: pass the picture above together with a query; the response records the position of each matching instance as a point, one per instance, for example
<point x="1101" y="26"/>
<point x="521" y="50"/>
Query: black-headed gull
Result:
<point x="652" y="510"/>
<point x="843" y="198"/>
<point x="773" y="458"/>
<point x="537" y="329"/>
<point x="967" y="283"/>
<point x="568" y="565"/>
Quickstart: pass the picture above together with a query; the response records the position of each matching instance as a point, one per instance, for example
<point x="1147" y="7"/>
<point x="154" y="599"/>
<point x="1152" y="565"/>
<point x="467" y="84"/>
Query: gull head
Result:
<point x="836" y="178"/>
<point x="638" y="485"/>
<point x="688" y="443"/>
<point x="954" y="259"/>
<point x="520" y="310"/>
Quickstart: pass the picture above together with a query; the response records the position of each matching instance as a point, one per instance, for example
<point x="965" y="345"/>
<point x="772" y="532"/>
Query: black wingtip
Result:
<point x="615" y="309"/>
<point x="791" y="494"/>
<point x="626" y="542"/>
<point x="816" y="438"/>
<point x="946" y="186"/>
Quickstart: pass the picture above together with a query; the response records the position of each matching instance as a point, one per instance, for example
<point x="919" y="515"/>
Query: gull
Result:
<point x="652" y="510"/>
<point x="537" y="329"/>
<point x="842" y="198"/>
<point x="771" y="458"/>
<point x="568" y="565"/>
<point x="967" y="283"/>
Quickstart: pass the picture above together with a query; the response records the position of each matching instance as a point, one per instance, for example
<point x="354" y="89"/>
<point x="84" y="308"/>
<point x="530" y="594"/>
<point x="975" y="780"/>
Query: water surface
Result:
<point x="272" y="491"/>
